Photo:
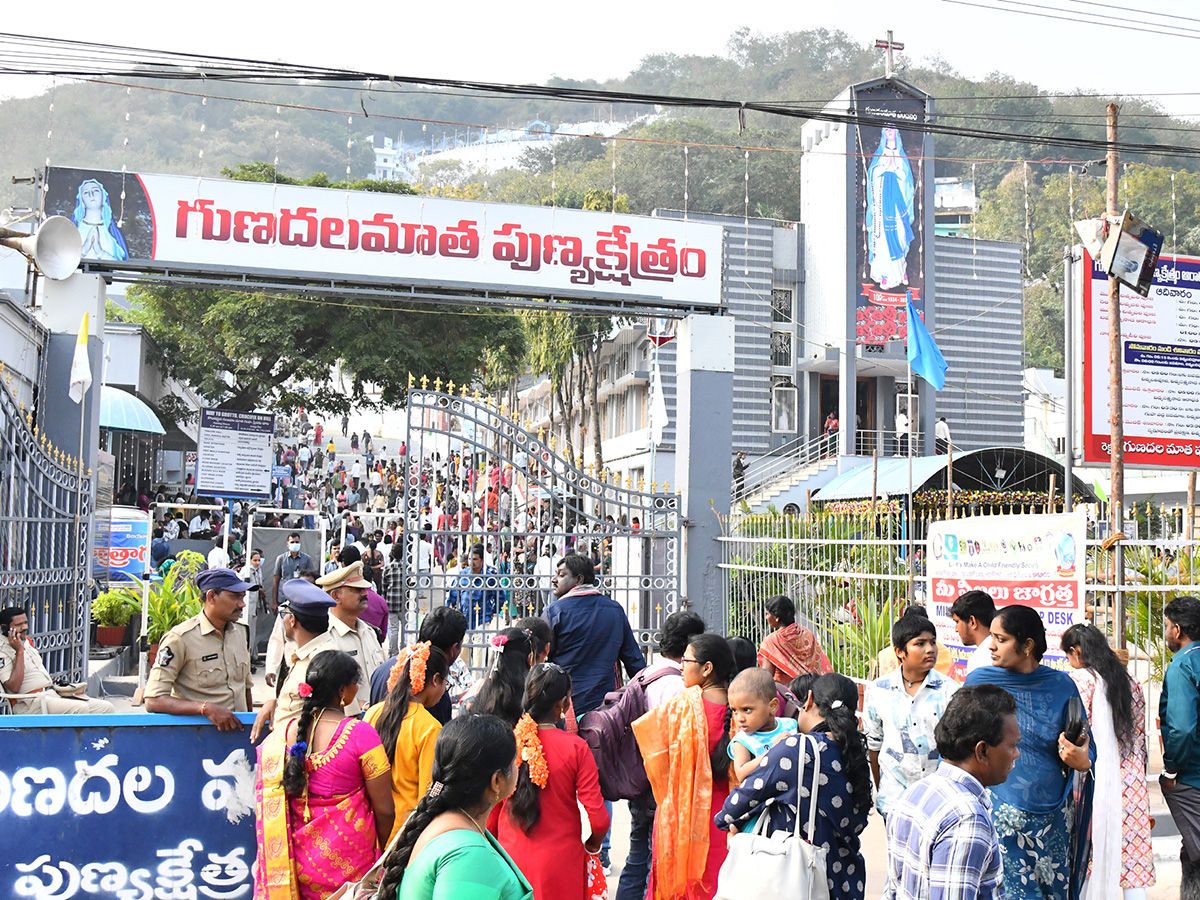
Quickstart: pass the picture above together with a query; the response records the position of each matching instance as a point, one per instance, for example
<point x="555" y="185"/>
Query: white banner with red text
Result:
<point x="1027" y="560"/>
<point x="210" y="224"/>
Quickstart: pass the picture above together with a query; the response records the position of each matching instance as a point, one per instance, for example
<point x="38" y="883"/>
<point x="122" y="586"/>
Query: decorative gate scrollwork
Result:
<point x="43" y="552"/>
<point x="526" y="500"/>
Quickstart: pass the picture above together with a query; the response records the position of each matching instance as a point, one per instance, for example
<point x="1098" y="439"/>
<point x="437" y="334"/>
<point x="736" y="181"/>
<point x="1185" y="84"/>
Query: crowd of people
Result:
<point x="1022" y="782"/>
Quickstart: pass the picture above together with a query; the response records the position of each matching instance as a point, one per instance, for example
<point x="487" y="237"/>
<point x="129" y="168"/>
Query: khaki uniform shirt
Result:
<point x="197" y="662"/>
<point x="290" y="703"/>
<point x="363" y="645"/>
<point x="37" y="678"/>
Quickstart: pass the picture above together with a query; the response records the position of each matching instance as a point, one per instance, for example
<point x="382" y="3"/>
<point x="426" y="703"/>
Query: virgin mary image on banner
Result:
<point x="889" y="216"/>
<point x="102" y="239"/>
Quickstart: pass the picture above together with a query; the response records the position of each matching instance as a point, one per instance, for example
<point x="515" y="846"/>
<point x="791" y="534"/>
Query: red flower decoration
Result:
<point x="304" y="689"/>
<point x="500" y="640"/>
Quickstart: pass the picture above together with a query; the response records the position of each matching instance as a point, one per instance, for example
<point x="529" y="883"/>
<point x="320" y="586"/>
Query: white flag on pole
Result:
<point x="81" y="366"/>
<point x="658" y="407"/>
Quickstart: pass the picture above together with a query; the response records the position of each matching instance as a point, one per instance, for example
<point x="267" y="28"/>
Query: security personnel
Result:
<point x="304" y="614"/>
<point x="350" y="633"/>
<point x="203" y="664"/>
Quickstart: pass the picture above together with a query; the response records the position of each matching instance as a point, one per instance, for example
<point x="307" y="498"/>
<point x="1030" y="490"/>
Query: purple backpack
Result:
<point x="608" y="730"/>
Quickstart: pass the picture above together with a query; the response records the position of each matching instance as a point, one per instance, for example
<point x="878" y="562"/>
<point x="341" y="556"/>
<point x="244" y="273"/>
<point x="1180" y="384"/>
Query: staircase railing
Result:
<point x="782" y="462"/>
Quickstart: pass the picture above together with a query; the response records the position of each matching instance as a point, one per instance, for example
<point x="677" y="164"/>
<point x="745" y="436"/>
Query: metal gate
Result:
<point x="527" y="502"/>
<point x="45" y="506"/>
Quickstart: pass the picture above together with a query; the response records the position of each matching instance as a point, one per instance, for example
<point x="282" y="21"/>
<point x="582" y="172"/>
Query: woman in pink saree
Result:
<point x="324" y="801"/>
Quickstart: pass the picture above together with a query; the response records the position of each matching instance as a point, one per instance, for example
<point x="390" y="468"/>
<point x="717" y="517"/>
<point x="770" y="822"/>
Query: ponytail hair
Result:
<point x="504" y="686"/>
<point x="836" y="698"/>
<point x="400" y="696"/>
<point x="327" y="675"/>
<point x="712" y="648"/>
<point x="468" y="752"/>
<point x="548" y="684"/>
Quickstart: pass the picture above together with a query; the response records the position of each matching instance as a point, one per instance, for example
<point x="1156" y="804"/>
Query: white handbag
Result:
<point x="781" y="866"/>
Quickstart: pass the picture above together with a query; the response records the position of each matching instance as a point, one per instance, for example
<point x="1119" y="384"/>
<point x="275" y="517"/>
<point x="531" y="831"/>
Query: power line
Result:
<point x="169" y="65"/>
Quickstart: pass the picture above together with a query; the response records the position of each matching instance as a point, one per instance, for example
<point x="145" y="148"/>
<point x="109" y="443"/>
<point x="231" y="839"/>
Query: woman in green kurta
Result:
<point x="444" y="851"/>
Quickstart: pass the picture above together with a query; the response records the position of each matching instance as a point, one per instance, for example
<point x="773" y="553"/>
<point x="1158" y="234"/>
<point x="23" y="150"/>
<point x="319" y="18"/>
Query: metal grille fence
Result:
<point x="475" y="475"/>
<point x="848" y="574"/>
<point x="45" y="503"/>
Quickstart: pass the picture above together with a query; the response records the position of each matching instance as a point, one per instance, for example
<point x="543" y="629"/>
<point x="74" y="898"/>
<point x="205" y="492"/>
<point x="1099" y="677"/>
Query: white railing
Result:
<point x="783" y="462"/>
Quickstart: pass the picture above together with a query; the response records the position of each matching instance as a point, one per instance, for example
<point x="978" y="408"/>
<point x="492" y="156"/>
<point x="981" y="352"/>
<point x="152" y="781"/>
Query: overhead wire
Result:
<point x="163" y="65"/>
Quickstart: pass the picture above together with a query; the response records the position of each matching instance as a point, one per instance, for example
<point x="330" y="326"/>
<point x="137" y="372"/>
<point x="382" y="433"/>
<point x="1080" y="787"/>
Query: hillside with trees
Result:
<point x="1025" y="189"/>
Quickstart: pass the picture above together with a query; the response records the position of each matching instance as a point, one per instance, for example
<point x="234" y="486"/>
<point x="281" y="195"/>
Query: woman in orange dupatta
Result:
<point x="679" y="741"/>
<point x="323" y="803"/>
<point x="790" y="649"/>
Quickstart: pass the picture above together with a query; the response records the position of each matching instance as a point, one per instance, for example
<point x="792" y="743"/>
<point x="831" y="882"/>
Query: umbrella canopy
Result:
<point x="121" y="411"/>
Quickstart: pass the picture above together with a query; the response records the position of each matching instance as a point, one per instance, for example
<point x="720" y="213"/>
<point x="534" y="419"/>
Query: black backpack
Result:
<point x="608" y="730"/>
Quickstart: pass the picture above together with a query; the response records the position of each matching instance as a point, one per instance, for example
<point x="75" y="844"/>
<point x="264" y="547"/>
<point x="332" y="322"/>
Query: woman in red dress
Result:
<point x="539" y="824"/>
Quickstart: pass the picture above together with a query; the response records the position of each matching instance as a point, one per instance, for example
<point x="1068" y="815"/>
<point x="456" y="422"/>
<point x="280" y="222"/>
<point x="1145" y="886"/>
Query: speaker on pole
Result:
<point x="55" y="248"/>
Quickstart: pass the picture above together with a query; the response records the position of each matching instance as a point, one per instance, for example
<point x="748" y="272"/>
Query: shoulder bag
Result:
<point x="783" y="866"/>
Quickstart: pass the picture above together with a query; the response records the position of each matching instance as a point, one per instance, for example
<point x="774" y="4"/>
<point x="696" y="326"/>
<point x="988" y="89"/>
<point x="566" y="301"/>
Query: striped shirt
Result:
<point x="941" y="843"/>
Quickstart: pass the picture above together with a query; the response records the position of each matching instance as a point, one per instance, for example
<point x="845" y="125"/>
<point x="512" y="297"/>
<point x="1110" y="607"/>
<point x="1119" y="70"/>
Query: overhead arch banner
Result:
<point x="211" y="225"/>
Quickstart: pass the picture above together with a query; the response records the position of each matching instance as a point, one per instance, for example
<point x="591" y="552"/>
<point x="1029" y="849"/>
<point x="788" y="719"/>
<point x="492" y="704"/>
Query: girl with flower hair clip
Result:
<point x="501" y="690"/>
<point x="406" y="727"/>
<point x="313" y="776"/>
<point x="538" y="825"/>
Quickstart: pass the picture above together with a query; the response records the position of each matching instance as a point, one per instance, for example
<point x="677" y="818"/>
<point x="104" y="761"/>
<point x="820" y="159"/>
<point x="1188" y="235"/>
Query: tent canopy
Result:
<point x="990" y="469"/>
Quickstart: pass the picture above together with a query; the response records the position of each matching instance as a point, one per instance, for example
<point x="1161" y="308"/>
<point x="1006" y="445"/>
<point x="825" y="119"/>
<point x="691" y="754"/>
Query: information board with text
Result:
<point x="235" y="454"/>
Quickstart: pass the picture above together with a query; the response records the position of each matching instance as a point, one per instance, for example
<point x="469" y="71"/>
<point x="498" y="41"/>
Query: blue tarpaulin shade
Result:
<point x="121" y="411"/>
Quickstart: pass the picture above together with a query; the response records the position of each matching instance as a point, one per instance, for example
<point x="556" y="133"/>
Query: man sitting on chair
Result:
<point x="23" y="672"/>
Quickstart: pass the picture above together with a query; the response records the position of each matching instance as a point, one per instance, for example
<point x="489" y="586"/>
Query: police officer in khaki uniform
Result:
<point x="304" y="614"/>
<point x="203" y="664"/>
<point x="350" y="633"/>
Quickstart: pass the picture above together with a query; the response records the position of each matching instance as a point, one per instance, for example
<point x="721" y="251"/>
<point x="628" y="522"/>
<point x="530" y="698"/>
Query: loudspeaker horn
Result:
<point x="55" y="248"/>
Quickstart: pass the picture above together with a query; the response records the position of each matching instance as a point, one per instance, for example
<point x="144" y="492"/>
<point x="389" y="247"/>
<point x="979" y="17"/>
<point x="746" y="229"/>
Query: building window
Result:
<point x="781" y="306"/>
<point x="781" y="349"/>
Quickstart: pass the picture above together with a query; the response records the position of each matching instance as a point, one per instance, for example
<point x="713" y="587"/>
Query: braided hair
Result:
<point x="843" y="725"/>
<point x="712" y="648"/>
<point x="504" y="686"/>
<point x="469" y="751"/>
<point x="548" y="684"/>
<point x="399" y="699"/>
<point x="327" y="675"/>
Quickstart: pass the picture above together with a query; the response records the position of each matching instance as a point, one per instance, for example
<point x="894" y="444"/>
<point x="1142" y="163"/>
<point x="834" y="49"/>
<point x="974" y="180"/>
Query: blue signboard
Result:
<point x="130" y="807"/>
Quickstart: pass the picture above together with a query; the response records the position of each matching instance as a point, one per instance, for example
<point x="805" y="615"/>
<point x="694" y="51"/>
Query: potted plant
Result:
<point x="174" y="599"/>
<point x="111" y="611"/>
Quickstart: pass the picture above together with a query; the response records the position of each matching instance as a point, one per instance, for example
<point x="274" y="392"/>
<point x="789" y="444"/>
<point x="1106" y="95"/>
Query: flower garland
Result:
<point x="415" y="656"/>
<point x="529" y="748"/>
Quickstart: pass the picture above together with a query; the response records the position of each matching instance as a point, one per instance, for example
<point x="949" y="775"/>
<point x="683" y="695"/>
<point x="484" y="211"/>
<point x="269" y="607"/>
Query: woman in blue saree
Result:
<point x="775" y="788"/>
<point x="1035" y="809"/>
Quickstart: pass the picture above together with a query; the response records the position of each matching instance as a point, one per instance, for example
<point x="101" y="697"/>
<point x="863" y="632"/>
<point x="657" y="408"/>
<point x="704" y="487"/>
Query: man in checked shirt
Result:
<point x="941" y="842"/>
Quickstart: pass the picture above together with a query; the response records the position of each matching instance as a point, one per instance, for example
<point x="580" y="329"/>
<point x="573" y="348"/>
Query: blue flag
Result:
<point x="923" y="354"/>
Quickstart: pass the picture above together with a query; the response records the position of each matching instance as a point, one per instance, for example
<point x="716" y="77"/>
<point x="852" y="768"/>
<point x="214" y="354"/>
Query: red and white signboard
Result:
<point x="1034" y="560"/>
<point x="1160" y="337"/>
<point x="214" y="225"/>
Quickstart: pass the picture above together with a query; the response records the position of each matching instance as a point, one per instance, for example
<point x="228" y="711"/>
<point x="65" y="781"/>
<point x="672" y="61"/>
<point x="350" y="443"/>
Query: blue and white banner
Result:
<point x="128" y="807"/>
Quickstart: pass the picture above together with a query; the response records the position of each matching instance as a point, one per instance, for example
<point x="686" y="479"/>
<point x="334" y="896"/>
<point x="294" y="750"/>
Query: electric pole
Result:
<point x="1116" y="401"/>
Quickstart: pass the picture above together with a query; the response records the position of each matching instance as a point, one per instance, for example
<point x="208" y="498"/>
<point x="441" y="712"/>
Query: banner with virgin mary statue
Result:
<point x="890" y="225"/>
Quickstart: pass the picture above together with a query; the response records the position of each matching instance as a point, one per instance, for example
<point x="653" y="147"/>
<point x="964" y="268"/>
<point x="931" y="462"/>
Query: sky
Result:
<point x="491" y="41"/>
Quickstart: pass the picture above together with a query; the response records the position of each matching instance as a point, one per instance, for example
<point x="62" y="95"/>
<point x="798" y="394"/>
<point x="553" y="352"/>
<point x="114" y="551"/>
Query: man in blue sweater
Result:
<point x="1177" y="710"/>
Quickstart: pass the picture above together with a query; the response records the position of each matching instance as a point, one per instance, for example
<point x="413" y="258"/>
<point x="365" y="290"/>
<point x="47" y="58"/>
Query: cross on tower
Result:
<point x="888" y="45"/>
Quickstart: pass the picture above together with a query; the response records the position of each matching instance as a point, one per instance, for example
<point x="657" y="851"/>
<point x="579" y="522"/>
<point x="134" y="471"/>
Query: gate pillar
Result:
<point x="704" y="455"/>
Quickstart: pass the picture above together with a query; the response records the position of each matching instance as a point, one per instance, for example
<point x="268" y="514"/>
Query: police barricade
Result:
<point x="126" y="806"/>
